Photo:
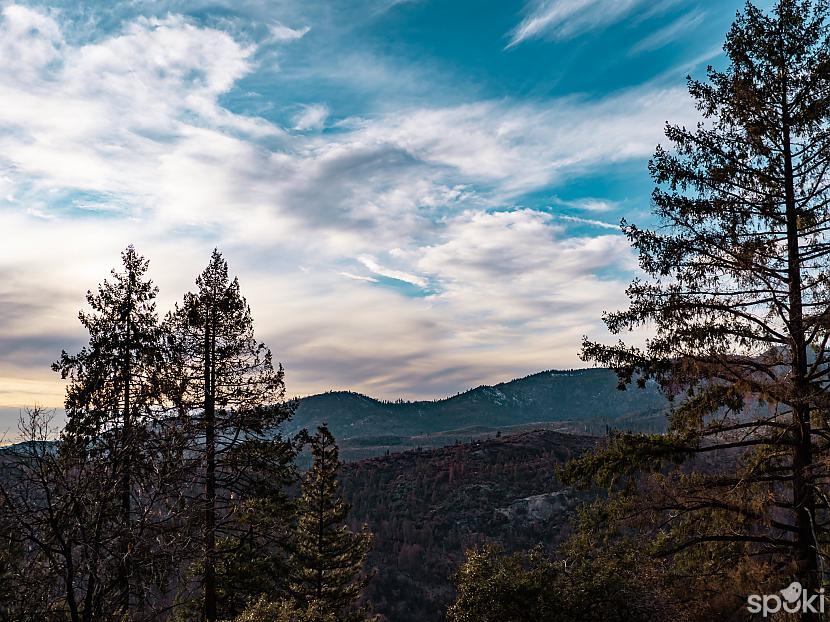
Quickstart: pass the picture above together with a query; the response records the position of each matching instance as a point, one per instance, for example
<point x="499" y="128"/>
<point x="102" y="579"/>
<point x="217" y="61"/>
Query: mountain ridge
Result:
<point x="586" y="396"/>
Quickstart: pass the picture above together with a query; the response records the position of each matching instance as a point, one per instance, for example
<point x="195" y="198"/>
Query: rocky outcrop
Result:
<point x="537" y="508"/>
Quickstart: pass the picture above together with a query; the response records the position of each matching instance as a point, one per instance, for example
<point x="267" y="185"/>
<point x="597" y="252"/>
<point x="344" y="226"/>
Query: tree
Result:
<point x="282" y="611"/>
<point x="59" y="513"/>
<point x="737" y="295"/>
<point x="329" y="557"/>
<point x="595" y="575"/>
<point x="233" y="398"/>
<point x="113" y="388"/>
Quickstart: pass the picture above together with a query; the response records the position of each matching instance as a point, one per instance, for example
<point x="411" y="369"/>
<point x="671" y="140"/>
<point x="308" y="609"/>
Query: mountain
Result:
<point x="584" y="400"/>
<point x="427" y="507"/>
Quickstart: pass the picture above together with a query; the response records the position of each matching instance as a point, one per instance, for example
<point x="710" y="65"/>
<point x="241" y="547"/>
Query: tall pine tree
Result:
<point x="233" y="398"/>
<point x="329" y="557"/>
<point x="737" y="297"/>
<point x="113" y="388"/>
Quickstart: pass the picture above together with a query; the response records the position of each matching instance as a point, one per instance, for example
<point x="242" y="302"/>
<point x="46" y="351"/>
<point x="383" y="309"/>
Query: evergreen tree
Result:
<point x="737" y="294"/>
<point x="113" y="389"/>
<point x="233" y="398"/>
<point x="329" y="557"/>
<point x="263" y="610"/>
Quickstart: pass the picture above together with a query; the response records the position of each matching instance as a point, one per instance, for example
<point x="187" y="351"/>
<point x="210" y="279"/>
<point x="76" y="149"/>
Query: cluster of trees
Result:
<point x="736" y="291"/>
<point x="170" y="492"/>
<point x="425" y="509"/>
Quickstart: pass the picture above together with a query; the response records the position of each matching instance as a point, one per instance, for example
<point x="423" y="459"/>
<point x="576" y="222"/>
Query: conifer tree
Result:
<point x="233" y="397"/>
<point x="737" y="297"/>
<point x="113" y="389"/>
<point x="329" y="557"/>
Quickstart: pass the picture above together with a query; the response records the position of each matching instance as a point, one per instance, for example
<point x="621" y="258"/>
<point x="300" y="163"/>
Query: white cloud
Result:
<point x="311" y="117"/>
<point x="281" y="33"/>
<point x="125" y="139"/>
<point x="564" y="19"/>
<point x="590" y="221"/>
<point x="521" y="147"/>
<point x="357" y="277"/>
<point x="589" y="204"/>
<point x="665" y="35"/>
<point x="373" y="266"/>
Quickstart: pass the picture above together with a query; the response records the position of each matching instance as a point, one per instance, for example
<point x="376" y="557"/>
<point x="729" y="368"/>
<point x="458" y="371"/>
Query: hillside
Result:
<point x="426" y="508"/>
<point x="583" y="400"/>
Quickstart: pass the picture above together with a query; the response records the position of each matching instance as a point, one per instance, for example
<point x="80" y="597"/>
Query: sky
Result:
<point x="418" y="196"/>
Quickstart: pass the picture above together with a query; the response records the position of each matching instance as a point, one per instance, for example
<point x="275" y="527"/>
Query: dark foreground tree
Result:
<point x="737" y="297"/>
<point x="232" y="397"/>
<point x="585" y="584"/>
<point x="60" y="517"/>
<point x="112" y="393"/>
<point x="329" y="557"/>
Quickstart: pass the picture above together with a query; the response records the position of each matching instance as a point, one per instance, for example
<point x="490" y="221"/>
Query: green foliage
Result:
<point x="584" y="395"/>
<point x="735" y="295"/>
<point x="283" y="611"/>
<point x="219" y="362"/>
<point x="328" y="556"/>
<point x="624" y="456"/>
<point x="112" y="399"/>
<point x="533" y="587"/>
<point x="230" y="396"/>
<point x="493" y="587"/>
<point x="114" y="380"/>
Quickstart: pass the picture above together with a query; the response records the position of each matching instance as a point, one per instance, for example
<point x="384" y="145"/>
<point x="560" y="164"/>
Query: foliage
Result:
<point x="328" y="556"/>
<point x="231" y="398"/>
<point x="284" y="611"/>
<point x="533" y="587"/>
<point x="736" y="294"/>
<point x="113" y="401"/>
<point x="425" y="508"/>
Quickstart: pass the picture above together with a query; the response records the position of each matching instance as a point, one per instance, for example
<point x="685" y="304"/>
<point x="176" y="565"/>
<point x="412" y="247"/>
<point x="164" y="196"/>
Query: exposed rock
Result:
<point x="539" y="507"/>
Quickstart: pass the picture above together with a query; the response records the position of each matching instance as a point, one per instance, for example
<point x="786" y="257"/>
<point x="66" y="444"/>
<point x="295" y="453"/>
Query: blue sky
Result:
<point x="418" y="196"/>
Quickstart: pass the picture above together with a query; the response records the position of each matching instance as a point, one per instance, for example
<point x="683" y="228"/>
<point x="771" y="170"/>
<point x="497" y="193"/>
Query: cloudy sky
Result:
<point x="419" y="196"/>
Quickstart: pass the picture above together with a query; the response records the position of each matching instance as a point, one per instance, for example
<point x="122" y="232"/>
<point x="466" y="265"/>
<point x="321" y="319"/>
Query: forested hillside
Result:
<point x="426" y="508"/>
<point x="586" y="398"/>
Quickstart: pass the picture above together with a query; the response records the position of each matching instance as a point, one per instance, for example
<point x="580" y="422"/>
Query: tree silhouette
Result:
<point x="737" y="295"/>
<point x="114" y="387"/>
<point x="232" y="395"/>
<point x="329" y="556"/>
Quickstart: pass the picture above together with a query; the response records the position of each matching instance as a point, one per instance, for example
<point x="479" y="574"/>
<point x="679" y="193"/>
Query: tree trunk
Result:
<point x="803" y="498"/>
<point x="124" y="568"/>
<point x="210" y="609"/>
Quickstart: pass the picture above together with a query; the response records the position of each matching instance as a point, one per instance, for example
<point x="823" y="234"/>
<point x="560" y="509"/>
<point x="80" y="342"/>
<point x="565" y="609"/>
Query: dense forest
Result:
<point x="426" y="508"/>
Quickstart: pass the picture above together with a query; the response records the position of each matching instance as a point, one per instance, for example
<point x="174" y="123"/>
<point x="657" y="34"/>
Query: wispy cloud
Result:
<point x="372" y="265"/>
<point x="590" y="221"/>
<point x="665" y="35"/>
<point x="423" y="194"/>
<point x="565" y="19"/>
<point x="589" y="204"/>
<point x="358" y="277"/>
<point x="280" y="33"/>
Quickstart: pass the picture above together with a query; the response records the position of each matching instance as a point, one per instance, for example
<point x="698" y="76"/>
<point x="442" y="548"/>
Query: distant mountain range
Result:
<point x="584" y="400"/>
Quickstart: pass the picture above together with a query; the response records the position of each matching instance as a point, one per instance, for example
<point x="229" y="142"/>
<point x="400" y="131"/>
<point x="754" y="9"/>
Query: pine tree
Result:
<point x="233" y="396"/>
<point x="113" y="389"/>
<point x="737" y="297"/>
<point x="329" y="557"/>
